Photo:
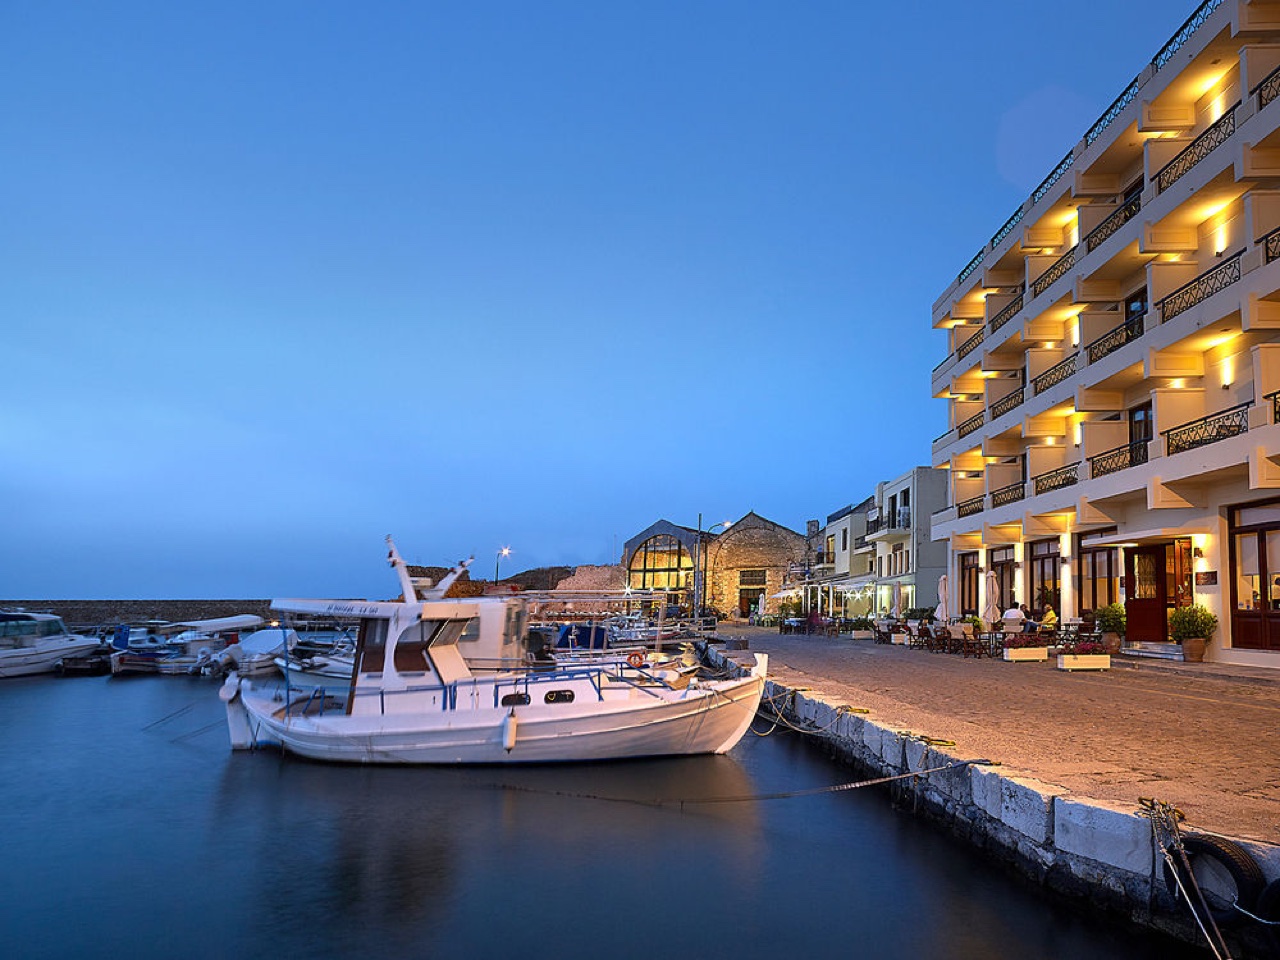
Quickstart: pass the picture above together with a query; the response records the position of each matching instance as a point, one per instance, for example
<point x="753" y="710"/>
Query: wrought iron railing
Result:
<point x="1007" y="311"/>
<point x="1118" y="218"/>
<point x="1197" y="150"/>
<point x="1007" y="227"/>
<point x="1055" y="175"/>
<point x="972" y="265"/>
<point x="1201" y="288"/>
<point x="970" y="425"/>
<point x="967" y="508"/>
<point x="1055" y="272"/>
<point x="1215" y="427"/>
<point x="1271" y="245"/>
<point x="1113" y="340"/>
<point x="1056" y="374"/>
<point x="1275" y="405"/>
<point x="1268" y="89"/>
<point x="1010" y="494"/>
<point x="1184" y="32"/>
<point x="969" y="345"/>
<point x="1119" y="458"/>
<point x="1006" y="403"/>
<point x="1057" y="479"/>
<point x="1113" y="111"/>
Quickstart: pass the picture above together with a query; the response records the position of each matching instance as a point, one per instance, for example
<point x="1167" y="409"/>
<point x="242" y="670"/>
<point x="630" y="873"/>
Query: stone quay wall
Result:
<point x="1101" y="855"/>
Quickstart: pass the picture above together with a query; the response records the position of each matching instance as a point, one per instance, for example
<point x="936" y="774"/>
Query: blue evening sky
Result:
<point x="280" y="278"/>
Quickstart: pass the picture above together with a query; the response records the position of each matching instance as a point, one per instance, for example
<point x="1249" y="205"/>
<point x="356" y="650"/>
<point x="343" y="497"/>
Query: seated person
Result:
<point x="1048" y="618"/>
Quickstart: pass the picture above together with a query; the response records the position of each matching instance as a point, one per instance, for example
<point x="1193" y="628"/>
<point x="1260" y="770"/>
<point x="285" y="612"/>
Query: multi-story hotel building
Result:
<point x="1113" y="366"/>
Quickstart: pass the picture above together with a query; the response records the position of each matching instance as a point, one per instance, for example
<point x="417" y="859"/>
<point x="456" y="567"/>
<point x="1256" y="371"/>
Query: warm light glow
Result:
<point x="1228" y="372"/>
<point x="1049" y="345"/>
<point x="1079" y="433"/>
<point x="1050" y="441"/>
<point x="1075" y="333"/>
<point x="1220" y="240"/>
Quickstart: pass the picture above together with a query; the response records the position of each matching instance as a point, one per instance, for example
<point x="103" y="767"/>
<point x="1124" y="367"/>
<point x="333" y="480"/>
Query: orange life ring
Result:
<point x="636" y="659"/>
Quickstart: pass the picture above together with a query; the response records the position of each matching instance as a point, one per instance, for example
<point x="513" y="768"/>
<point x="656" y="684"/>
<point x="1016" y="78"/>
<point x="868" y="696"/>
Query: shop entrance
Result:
<point x="1145" y="599"/>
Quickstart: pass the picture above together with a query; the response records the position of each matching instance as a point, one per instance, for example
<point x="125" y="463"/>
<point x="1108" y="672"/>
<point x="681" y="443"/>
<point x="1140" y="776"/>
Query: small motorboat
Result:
<point x="445" y="681"/>
<point x="37" y="642"/>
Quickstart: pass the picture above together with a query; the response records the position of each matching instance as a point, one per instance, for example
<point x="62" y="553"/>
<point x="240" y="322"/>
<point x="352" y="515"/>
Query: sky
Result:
<point x="279" y="279"/>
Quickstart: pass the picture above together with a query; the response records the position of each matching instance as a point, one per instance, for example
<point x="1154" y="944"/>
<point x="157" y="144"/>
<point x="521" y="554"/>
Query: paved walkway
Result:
<point x="1202" y="736"/>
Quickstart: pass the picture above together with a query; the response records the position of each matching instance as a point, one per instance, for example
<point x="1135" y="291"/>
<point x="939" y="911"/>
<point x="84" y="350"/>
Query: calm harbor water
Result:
<point x="132" y="830"/>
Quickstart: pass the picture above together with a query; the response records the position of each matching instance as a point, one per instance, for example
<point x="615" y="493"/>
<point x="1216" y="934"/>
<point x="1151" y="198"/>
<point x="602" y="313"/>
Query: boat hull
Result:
<point x="44" y="657"/>
<point x="710" y="719"/>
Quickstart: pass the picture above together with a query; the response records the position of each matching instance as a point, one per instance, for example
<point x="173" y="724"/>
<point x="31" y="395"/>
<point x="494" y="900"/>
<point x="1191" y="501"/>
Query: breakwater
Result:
<point x="1100" y="855"/>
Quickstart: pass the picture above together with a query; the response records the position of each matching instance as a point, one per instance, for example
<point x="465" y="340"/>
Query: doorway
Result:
<point x="1145" y="599"/>
<point x="748" y="599"/>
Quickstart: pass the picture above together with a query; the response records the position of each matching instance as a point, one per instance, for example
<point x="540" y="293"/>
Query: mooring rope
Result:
<point x="1164" y="819"/>
<point x="751" y="797"/>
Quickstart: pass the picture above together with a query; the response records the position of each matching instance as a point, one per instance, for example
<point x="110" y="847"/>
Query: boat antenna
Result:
<point x="402" y="571"/>
<point x="438" y="591"/>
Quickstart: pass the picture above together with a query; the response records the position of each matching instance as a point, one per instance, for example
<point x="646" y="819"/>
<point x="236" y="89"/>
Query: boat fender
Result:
<point x="636" y="659"/>
<point x="204" y="653"/>
<point x="230" y="688"/>
<point x="509" y="730"/>
<point x="1218" y="864"/>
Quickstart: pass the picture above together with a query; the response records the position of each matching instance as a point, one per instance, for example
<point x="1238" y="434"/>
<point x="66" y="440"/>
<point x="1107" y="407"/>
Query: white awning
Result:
<point x="1135" y="537"/>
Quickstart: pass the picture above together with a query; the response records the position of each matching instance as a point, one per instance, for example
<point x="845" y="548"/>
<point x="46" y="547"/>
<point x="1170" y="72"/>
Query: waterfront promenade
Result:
<point x="1201" y="736"/>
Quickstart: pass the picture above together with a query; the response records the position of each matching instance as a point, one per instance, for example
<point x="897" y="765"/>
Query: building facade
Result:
<point x="735" y="571"/>
<point x="1113" y="360"/>
<point x="881" y="550"/>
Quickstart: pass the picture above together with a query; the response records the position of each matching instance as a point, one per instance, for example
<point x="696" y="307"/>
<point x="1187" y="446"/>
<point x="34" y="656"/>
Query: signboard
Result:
<point x="1207" y="578"/>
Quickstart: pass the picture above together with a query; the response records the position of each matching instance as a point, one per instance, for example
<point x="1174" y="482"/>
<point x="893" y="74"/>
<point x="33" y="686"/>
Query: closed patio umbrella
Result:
<point x="991" y="612"/>
<point x="943" y="613"/>
<point x="896" y="612"/>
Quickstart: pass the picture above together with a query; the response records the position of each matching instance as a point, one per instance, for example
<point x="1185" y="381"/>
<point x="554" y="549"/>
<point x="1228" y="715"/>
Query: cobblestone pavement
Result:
<point x="1201" y="736"/>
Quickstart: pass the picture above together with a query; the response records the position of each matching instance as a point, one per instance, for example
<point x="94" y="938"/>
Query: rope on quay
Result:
<point x="1164" y="819"/>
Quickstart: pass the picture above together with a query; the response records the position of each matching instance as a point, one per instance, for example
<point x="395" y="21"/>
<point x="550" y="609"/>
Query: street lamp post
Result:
<point x="700" y="565"/>
<point x="504" y="552"/>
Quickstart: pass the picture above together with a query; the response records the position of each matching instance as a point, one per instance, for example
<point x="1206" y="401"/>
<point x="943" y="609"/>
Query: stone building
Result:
<point x="731" y="571"/>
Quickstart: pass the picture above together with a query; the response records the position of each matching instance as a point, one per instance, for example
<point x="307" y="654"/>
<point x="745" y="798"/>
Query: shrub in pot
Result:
<point x="1192" y="627"/>
<point x="1110" y="622"/>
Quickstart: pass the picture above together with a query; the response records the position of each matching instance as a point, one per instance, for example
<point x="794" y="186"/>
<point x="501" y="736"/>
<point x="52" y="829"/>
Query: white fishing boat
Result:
<point x="253" y="655"/>
<point x="36" y="643"/>
<point x="441" y="681"/>
<point x="180" y="648"/>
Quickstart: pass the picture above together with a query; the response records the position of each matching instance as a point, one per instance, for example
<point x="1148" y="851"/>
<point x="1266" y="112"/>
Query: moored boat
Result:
<point x="439" y="681"/>
<point x="33" y="643"/>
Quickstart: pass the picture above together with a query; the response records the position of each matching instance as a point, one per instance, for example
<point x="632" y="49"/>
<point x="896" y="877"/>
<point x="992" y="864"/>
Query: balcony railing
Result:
<point x="1056" y="374"/>
<point x="1197" y="150"/>
<point x="1271" y="245"/>
<point x="1184" y="32"/>
<point x="1055" y="175"/>
<point x="1007" y="227"/>
<point x="1007" y="311"/>
<point x="1055" y="272"/>
<point x="1120" y="458"/>
<point x="970" y="425"/>
<point x="1200" y="433"/>
<point x="1113" y="111"/>
<point x="1275" y="405"/>
<point x="1010" y="494"/>
<point x="1113" y="340"/>
<point x="972" y="265"/>
<point x="969" y="345"/>
<point x="1005" y="404"/>
<point x="1057" y="479"/>
<point x="1201" y="288"/>
<point x="1119" y="217"/>
<point x="967" y="508"/>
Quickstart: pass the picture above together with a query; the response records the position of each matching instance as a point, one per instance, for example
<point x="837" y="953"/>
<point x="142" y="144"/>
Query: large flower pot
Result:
<point x="1112" y="642"/>
<point x="1193" y="649"/>
<point x="861" y="635"/>
<point x="1021" y="654"/>
<point x="1084" y="661"/>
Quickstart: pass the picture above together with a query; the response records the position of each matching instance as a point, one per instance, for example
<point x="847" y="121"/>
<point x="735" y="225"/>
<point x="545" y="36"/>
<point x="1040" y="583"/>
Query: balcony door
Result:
<point x="1145" y="603"/>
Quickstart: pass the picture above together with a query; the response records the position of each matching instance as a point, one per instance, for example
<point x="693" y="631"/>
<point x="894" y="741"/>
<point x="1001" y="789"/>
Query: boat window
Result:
<point x="411" y="648"/>
<point x="470" y="630"/>
<point x="515" y="700"/>
<point x="559" y="696"/>
<point x="372" y="645"/>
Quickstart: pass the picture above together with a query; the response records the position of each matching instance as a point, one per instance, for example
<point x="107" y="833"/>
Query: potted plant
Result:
<point x="1192" y="627"/>
<point x="862" y="628"/>
<point x="1025" y="646"/>
<point x="1084" y="655"/>
<point x="1110" y="621"/>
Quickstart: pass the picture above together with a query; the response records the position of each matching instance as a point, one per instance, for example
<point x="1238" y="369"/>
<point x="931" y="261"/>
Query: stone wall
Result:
<point x="107" y="613"/>
<point x="752" y="543"/>
<point x="587" y="577"/>
<point x="1101" y="855"/>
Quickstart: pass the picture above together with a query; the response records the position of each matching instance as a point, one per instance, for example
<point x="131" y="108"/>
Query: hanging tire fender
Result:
<point x="1224" y="871"/>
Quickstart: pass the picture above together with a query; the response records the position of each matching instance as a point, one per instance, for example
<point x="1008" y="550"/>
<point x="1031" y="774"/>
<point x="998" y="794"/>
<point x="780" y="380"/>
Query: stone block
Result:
<point x="953" y="783"/>
<point x="917" y="752"/>
<point x="872" y="736"/>
<point x="1026" y="806"/>
<point x="891" y="749"/>
<point x="985" y="784"/>
<point x="1109" y="833"/>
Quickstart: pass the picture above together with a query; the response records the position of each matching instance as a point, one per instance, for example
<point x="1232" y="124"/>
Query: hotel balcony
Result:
<point x="891" y="526"/>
